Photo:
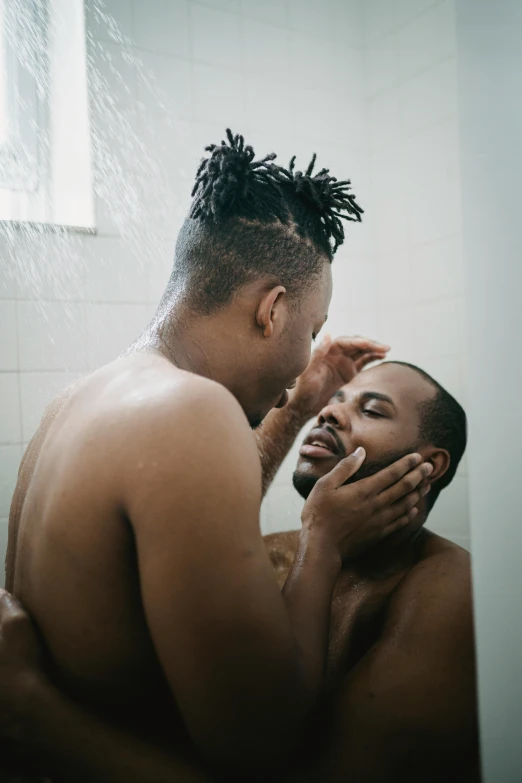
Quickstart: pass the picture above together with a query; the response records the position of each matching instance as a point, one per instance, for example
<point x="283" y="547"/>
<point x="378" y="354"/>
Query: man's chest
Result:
<point x="356" y="621"/>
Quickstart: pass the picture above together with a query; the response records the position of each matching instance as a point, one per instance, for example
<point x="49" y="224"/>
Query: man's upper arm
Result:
<point x="409" y="704"/>
<point x="213" y="608"/>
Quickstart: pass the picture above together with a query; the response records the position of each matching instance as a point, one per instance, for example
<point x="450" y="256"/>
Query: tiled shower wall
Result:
<point x="406" y="288"/>
<point x="349" y="80"/>
<point x="416" y="250"/>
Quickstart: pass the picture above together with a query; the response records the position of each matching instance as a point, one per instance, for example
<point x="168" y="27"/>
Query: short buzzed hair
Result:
<point x="443" y="423"/>
<point x="254" y="218"/>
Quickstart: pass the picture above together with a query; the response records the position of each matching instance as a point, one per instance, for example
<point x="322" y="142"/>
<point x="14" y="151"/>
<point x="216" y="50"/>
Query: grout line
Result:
<point x="111" y="302"/>
<point x="53" y="371"/>
<point x="18" y="363"/>
<point x="396" y="28"/>
<point x="20" y="411"/>
<point x="401" y="82"/>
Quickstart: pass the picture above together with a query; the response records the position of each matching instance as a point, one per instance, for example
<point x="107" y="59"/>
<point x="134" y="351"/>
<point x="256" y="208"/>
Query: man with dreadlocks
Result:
<point x="134" y="537"/>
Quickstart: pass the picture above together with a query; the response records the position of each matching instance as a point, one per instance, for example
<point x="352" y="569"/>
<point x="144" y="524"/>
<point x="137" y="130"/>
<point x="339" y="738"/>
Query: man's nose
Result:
<point x="334" y="415"/>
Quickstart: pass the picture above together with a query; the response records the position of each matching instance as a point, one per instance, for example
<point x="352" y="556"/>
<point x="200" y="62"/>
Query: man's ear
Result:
<point x="270" y="310"/>
<point x="440" y="460"/>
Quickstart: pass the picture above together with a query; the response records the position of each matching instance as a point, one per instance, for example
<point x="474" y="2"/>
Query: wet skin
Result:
<point x="409" y="631"/>
<point x="413" y="594"/>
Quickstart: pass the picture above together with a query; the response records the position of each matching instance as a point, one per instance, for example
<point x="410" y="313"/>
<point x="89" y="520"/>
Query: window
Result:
<point x="45" y="163"/>
<point x="23" y="55"/>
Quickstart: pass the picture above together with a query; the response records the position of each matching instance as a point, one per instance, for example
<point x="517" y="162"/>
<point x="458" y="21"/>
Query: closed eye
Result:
<point x="374" y="414"/>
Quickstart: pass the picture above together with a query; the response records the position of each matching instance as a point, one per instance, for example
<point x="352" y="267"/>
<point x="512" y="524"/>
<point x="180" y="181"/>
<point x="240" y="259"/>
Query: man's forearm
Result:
<point x="308" y="594"/>
<point x="79" y="747"/>
<point x="276" y="436"/>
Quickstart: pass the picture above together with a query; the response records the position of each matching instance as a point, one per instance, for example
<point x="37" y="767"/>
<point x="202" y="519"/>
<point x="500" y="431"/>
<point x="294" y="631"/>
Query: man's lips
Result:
<point x="320" y="444"/>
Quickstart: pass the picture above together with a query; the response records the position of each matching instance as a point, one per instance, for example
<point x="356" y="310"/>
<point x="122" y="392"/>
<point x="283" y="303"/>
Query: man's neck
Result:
<point x="395" y="553"/>
<point x="185" y="340"/>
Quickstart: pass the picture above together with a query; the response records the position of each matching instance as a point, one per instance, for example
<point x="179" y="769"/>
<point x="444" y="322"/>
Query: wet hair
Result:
<point x="254" y="218"/>
<point x="443" y="423"/>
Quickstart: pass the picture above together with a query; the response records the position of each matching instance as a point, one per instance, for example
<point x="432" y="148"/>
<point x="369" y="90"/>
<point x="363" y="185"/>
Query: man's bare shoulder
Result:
<point x="168" y="430"/>
<point x="441" y="558"/>
<point x="148" y="419"/>
<point x="437" y="589"/>
<point x="148" y="381"/>
<point x="158" y="393"/>
<point x="145" y="390"/>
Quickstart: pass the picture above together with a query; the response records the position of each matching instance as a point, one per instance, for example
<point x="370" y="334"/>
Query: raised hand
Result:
<point x="351" y="518"/>
<point x="333" y="364"/>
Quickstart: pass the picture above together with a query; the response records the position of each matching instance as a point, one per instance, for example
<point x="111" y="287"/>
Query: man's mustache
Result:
<point x="335" y="435"/>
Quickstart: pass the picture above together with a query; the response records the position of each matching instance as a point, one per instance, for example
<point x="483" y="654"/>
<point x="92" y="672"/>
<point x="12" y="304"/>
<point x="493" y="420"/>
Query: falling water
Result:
<point x="49" y="263"/>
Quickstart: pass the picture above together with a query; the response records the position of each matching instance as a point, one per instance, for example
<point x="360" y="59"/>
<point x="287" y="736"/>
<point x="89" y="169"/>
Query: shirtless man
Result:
<point x="399" y="699"/>
<point x="134" y="530"/>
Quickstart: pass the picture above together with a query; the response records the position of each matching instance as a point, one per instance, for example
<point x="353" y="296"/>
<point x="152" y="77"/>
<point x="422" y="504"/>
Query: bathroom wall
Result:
<point x="406" y="287"/>
<point x="411" y="102"/>
<point x="369" y="86"/>
<point x="490" y="73"/>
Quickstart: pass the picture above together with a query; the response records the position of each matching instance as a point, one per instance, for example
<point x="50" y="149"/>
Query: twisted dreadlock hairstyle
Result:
<point x="254" y="218"/>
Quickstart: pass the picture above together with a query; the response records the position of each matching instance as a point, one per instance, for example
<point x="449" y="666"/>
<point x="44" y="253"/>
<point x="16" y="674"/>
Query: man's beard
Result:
<point x="304" y="482"/>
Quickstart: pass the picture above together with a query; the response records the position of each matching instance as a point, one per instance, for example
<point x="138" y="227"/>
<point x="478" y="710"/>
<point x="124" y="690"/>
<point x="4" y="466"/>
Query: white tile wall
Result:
<point x="164" y="71"/>
<point x="427" y="40"/>
<point x="3" y="546"/>
<point x="9" y="341"/>
<point x="381" y="65"/>
<point x="10" y="414"/>
<point x="162" y="26"/>
<point x="346" y="22"/>
<point x="283" y="509"/>
<point x="429" y="97"/>
<point x="9" y="461"/>
<point x="56" y="271"/>
<point x="450" y="512"/>
<point x="117" y="73"/>
<point x="266" y="51"/>
<point x="113" y="327"/>
<point x="52" y="336"/>
<point x="115" y="275"/>
<point x="225" y="5"/>
<point x="218" y="96"/>
<point x="308" y="18"/>
<point x="272" y="11"/>
<point x="415" y="240"/>
<point x="378" y="20"/>
<point x="103" y="18"/>
<point x="37" y="389"/>
<point x="215" y="35"/>
<point x="8" y="271"/>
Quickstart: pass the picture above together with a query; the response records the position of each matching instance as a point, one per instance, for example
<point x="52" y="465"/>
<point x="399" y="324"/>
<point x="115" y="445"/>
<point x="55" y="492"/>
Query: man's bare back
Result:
<point x="72" y="555"/>
<point x="430" y="734"/>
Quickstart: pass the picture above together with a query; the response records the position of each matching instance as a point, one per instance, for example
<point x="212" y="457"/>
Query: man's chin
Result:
<point x="308" y="473"/>
<point x="304" y="482"/>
